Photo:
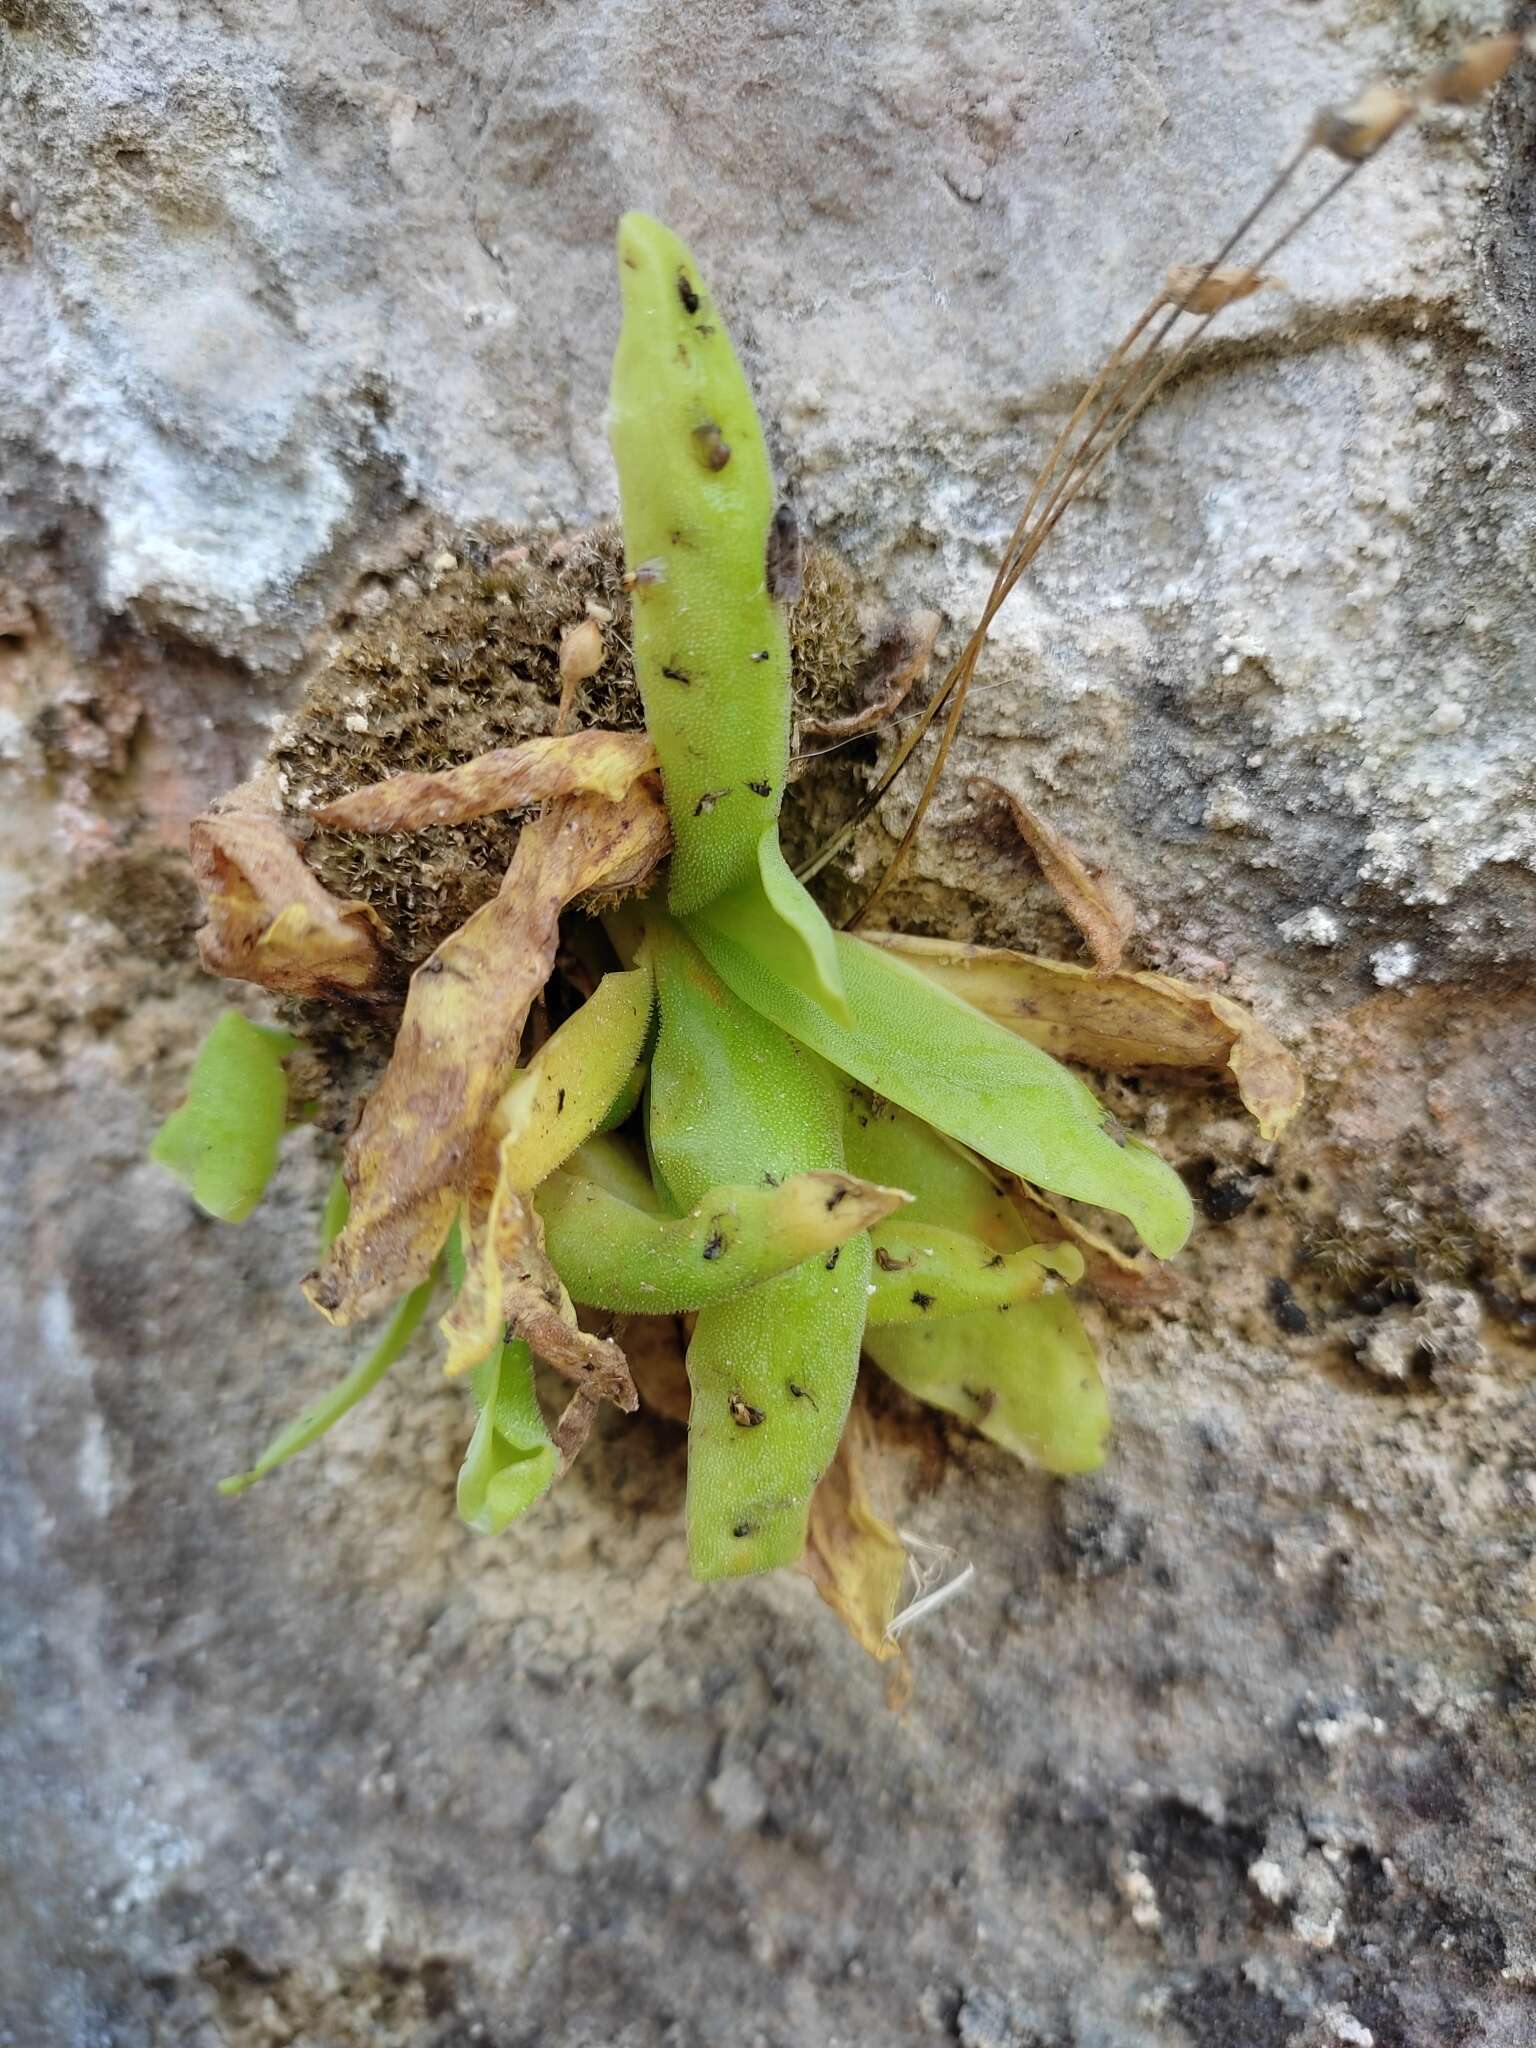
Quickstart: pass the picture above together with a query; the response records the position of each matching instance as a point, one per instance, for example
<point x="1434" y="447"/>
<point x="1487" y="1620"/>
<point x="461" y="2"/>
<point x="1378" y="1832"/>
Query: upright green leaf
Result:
<point x="733" y="1099"/>
<point x="710" y="643"/>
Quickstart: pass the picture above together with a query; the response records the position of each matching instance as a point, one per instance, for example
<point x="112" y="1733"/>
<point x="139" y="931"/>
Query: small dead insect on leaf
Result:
<point x="711" y="446"/>
<point x="743" y="1414"/>
<point x="784" y="556"/>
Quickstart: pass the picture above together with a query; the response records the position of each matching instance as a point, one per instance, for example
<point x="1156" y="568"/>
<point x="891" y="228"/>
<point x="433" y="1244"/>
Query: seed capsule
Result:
<point x="1477" y="70"/>
<point x="1355" y="133"/>
<point x="1194" y="288"/>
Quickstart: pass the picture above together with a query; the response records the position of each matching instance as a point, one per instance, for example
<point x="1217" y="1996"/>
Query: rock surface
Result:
<point x="1230" y="1745"/>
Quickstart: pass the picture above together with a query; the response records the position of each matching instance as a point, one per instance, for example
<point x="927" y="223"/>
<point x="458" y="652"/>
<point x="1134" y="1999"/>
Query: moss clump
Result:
<point x="463" y="656"/>
<point x="826" y="649"/>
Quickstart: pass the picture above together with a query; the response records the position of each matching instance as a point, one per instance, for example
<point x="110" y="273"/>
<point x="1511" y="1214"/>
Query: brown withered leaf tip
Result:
<point x="589" y="763"/>
<point x="511" y="1289"/>
<point x="409" y="1164"/>
<point x="270" y="921"/>
<point x="1133" y="1279"/>
<point x="1098" y="908"/>
<point x="1125" y="1022"/>
<point x="853" y="1556"/>
<point x="899" y="659"/>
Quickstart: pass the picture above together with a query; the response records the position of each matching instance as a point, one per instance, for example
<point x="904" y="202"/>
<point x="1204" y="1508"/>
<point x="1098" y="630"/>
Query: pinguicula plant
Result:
<point x="814" y="1145"/>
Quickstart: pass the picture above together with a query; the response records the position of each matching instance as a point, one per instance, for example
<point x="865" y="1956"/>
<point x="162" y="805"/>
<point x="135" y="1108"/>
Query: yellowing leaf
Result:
<point x="853" y="1556"/>
<point x="571" y="1081"/>
<point x="1125" y="1022"/>
<point x="421" y="1138"/>
<point x="1027" y="1379"/>
<point x="603" y="764"/>
<point x="510" y="1287"/>
<point x="269" y="919"/>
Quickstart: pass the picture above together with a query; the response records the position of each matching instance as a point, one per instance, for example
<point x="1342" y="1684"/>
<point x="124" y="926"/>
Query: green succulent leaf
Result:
<point x="613" y="1164"/>
<point x="948" y="1186"/>
<point x="774" y="917"/>
<point x="924" y="1273"/>
<point x="614" y="1256"/>
<point x="511" y="1460"/>
<point x="222" y="1142"/>
<point x="925" y="1049"/>
<point x="710" y="643"/>
<point x="732" y="1099"/>
<point x="628" y="1099"/>
<point x="773" y="1374"/>
<point x="1025" y="1376"/>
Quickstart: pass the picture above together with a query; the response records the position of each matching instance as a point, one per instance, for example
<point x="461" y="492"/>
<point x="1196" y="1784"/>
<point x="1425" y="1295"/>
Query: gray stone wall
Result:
<point x="1230" y="1746"/>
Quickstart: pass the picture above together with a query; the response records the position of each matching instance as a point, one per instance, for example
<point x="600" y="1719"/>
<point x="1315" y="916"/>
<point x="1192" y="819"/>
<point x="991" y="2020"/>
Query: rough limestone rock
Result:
<point x="1228" y="1747"/>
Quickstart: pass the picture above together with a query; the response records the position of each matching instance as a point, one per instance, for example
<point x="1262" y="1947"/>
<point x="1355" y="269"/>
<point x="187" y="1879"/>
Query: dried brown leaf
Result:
<point x="269" y="919"/>
<point x="1108" y="1272"/>
<point x="1096" y="906"/>
<point x="574" y="1427"/>
<point x="592" y="763"/>
<point x="899" y="659"/>
<point x="511" y="1290"/>
<point x="1125" y="1022"/>
<point x="412" y="1160"/>
<point x="853" y="1556"/>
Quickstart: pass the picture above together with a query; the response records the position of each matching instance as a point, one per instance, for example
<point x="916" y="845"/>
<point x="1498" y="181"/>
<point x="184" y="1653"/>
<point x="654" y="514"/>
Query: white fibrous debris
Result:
<point x="1395" y="964"/>
<point x="1313" y="927"/>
